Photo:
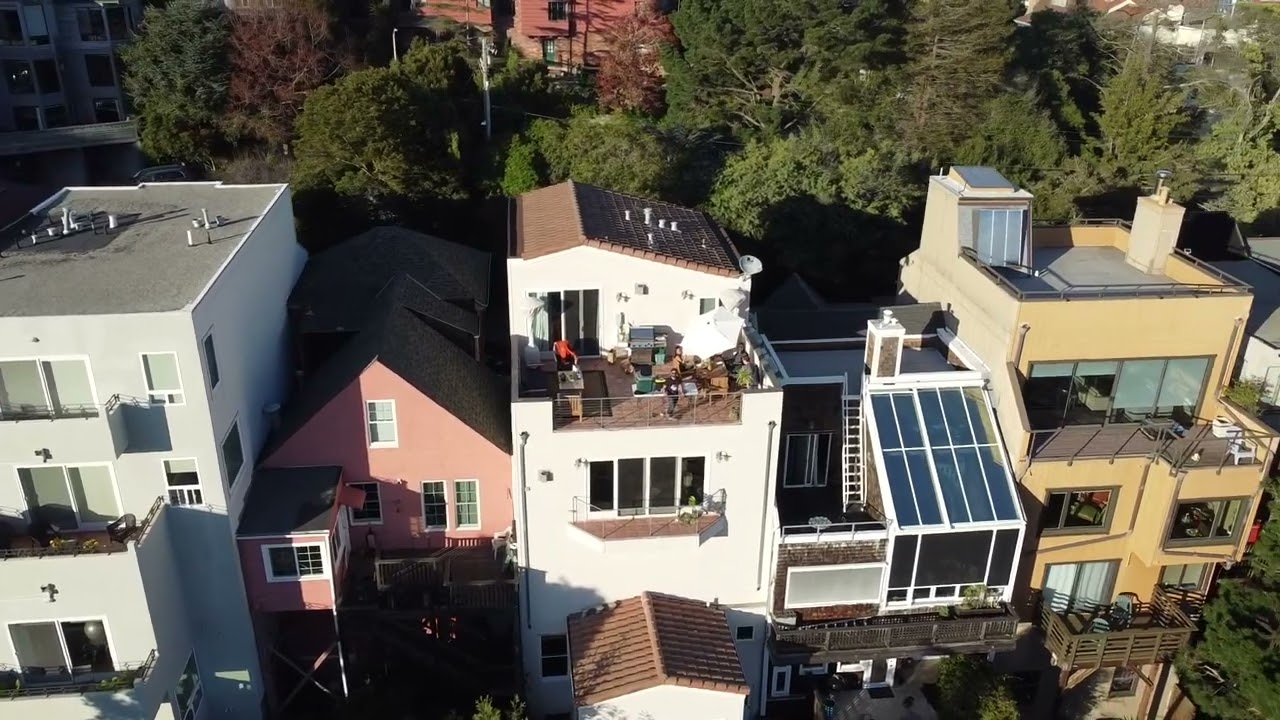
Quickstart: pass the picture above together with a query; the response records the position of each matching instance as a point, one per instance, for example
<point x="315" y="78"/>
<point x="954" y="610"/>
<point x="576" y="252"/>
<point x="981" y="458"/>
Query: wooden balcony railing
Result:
<point x="906" y="631"/>
<point x="1155" y="633"/>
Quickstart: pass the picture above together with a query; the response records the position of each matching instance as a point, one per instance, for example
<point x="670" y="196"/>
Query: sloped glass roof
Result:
<point x="942" y="460"/>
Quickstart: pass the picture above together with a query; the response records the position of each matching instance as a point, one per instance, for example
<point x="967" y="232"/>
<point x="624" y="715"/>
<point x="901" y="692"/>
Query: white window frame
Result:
<point x="273" y="578"/>
<point x="783" y="689"/>
<point x="40" y="360"/>
<point x="57" y="623"/>
<point x="369" y="422"/>
<point x="165" y="395"/>
<point x="786" y="601"/>
<point x="814" y="669"/>
<point x="444" y="494"/>
<point x="222" y="455"/>
<point x="377" y="493"/>
<point x="209" y="349"/>
<point x="81" y="525"/>
<point x="820" y="478"/>
<point x="646" y="510"/>
<point x="183" y="491"/>
<point x="197" y="692"/>
<point x="457" y="506"/>
<point x="751" y="633"/>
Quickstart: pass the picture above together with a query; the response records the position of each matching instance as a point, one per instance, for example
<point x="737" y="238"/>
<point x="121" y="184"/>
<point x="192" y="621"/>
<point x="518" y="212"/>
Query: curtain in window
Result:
<point x="1078" y="586"/>
<point x="539" y="325"/>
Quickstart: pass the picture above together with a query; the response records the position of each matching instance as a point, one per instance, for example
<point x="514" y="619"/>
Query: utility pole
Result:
<point x="486" y="58"/>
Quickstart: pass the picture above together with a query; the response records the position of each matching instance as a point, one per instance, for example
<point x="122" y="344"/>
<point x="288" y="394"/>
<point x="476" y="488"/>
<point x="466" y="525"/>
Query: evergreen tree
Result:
<point x="176" y="73"/>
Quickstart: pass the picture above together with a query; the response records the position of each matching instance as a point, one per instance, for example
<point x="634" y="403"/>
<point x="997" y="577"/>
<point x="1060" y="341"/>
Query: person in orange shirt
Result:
<point x="566" y="358"/>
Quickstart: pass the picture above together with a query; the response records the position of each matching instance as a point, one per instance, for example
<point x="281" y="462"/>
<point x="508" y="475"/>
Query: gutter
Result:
<point x="1023" y="329"/>
<point x="764" y="511"/>
<point x="524" y="533"/>
<point x="1231" y="343"/>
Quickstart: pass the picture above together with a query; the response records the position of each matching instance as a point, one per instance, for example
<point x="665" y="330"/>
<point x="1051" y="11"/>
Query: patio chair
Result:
<point x="123" y="527"/>
<point x="1122" y="610"/>
<point x="1239" y="451"/>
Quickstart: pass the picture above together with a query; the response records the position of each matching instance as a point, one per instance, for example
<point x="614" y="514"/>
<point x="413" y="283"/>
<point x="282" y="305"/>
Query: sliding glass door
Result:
<point x="646" y="486"/>
<point x="1101" y="391"/>
<point x="70" y="496"/>
<point x="572" y="315"/>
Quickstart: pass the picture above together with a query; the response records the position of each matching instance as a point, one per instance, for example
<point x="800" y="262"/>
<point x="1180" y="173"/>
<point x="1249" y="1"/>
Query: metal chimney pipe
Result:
<point x="204" y="215"/>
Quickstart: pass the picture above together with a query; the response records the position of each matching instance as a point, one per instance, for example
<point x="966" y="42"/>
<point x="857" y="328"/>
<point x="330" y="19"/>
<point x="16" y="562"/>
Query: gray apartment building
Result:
<point x="63" y="113"/>
<point x="143" y="348"/>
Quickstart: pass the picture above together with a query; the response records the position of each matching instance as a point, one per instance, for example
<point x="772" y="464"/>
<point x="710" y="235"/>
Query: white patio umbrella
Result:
<point x="712" y="333"/>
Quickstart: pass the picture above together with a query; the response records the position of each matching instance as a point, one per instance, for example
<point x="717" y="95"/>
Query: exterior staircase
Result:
<point x="851" y="453"/>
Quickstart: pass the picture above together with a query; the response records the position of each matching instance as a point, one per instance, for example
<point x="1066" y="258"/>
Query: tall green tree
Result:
<point x="959" y="51"/>
<point x="387" y="134"/>
<point x="970" y="689"/>
<point x="1230" y="673"/>
<point x="618" y="152"/>
<point x="176" y="72"/>
<point x="1061" y="58"/>
<point x="1143" y="115"/>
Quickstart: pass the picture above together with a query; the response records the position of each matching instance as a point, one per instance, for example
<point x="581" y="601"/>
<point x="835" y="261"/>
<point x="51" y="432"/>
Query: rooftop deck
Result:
<point x="608" y="400"/>
<point x="1155" y="632"/>
<point x="1192" y="448"/>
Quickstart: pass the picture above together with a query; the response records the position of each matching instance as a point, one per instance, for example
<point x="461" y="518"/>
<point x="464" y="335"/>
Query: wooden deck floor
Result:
<point x="1129" y="440"/>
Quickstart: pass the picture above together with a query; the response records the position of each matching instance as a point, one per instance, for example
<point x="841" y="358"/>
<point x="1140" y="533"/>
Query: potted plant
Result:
<point x="978" y="600"/>
<point x="691" y="511"/>
<point x="89" y="545"/>
<point x="743" y="378"/>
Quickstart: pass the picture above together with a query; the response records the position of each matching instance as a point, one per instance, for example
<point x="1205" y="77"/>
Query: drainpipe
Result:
<point x="764" y="510"/>
<point x="1023" y="329"/>
<point x="524" y="533"/>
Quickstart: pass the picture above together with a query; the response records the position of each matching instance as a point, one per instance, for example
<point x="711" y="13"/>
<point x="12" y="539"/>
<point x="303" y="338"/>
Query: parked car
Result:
<point x="165" y="173"/>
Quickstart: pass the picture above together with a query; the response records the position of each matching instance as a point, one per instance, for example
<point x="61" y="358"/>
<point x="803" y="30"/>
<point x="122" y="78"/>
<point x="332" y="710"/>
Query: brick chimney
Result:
<point x="1155" y="231"/>
<point x="884" y="346"/>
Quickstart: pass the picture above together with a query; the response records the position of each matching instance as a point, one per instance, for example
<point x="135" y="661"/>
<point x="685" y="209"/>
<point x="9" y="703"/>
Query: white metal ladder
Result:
<point x="852" y="450"/>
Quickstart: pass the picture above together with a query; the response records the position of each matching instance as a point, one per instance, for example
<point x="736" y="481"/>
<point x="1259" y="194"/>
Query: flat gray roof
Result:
<point x="1080" y="268"/>
<point x="1264" y="314"/>
<point x="143" y="266"/>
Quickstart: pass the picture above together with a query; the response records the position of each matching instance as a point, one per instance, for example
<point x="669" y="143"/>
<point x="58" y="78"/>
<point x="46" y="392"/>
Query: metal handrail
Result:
<point x="1233" y="286"/>
<point x="20" y="681"/>
<point x="13" y="412"/>
<point x="98" y="547"/>
<point x="643" y="411"/>
<point x="1179" y="450"/>
<point x="713" y="503"/>
<point x="836" y="528"/>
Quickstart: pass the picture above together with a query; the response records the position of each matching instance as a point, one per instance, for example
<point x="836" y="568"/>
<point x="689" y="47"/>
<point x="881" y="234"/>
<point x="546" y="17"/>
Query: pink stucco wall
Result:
<point x="266" y="596"/>
<point x="432" y="445"/>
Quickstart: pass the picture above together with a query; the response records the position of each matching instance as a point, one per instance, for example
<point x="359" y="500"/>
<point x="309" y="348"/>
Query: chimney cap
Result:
<point x="887" y="318"/>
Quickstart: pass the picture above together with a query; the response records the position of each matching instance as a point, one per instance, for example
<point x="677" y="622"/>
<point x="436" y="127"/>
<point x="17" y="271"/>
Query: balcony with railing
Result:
<point x="1128" y="633"/>
<point x="43" y="540"/>
<point x="34" y="681"/>
<point x="604" y="396"/>
<point x="1212" y="445"/>
<point x="699" y="518"/>
<point x="466" y="575"/>
<point x="894" y="635"/>
<point x="96" y="430"/>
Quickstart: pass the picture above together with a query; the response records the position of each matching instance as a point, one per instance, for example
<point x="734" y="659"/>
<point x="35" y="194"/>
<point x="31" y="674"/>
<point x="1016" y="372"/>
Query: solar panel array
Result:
<point x="941" y="457"/>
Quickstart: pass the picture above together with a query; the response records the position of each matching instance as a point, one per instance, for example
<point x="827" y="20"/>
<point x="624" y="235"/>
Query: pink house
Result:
<point x="386" y="483"/>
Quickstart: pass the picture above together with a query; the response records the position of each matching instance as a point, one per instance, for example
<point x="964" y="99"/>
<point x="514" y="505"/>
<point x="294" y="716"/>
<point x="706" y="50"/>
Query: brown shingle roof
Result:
<point x="569" y="215"/>
<point x="652" y="640"/>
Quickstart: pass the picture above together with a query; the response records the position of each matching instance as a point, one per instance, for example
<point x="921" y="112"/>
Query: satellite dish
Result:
<point x="750" y="265"/>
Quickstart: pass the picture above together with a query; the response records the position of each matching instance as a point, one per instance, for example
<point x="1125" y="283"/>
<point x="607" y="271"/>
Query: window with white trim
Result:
<point x="45" y="389"/>
<point x="823" y="585"/>
<point x="780" y="681"/>
<point x="189" y="692"/>
<point x="805" y="464"/>
<point x="70" y="497"/>
<point x="370" y="513"/>
<point x="211" y="361"/>
<point x="466" y="504"/>
<point x="381" y="415"/>
<point x="555" y="656"/>
<point x="51" y="648"/>
<point x="183" y="481"/>
<point x="164" y="382"/>
<point x="745" y="632"/>
<point x="435" y="512"/>
<point x="232" y="453"/>
<point x="294" y="562"/>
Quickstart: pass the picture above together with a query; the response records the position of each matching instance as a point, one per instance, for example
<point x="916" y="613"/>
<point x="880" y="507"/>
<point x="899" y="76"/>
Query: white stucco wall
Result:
<point x="1261" y="361"/>
<point x="668" y="702"/>
<point x="198" y="601"/>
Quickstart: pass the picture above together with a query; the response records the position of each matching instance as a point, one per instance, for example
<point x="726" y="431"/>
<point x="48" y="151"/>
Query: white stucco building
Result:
<point x="142" y="335"/>
<point x="614" y="495"/>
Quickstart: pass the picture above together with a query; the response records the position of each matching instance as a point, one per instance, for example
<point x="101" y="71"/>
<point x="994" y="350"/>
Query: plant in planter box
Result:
<point x="976" y="597"/>
<point x="744" y="378"/>
<point x="691" y="511"/>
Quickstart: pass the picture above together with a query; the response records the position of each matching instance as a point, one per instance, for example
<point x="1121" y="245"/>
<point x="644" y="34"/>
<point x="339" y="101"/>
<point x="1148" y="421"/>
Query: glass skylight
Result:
<point x="942" y="460"/>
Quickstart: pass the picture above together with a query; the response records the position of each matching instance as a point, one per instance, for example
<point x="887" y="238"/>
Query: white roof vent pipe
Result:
<point x="662" y="222"/>
<point x="204" y="217"/>
<point x="650" y="239"/>
<point x="66" y="221"/>
<point x="626" y="214"/>
<point x="675" y="227"/>
<point x="648" y="216"/>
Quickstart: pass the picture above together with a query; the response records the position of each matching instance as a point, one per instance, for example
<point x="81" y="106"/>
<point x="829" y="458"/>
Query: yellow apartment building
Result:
<point x="1108" y="351"/>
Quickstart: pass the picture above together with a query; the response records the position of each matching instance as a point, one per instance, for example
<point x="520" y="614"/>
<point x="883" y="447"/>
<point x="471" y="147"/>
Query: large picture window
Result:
<point x="646" y="486"/>
<point x="570" y="314"/>
<point x="60" y="651"/>
<point x="1079" y="586"/>
<point x="833" y="585"/>
<point x="1207" y="522"/>
<point x="1074" y="511"/>
<point x="1104" y="391"/>
<point x="935" y="568"/>
<point x="40" y="388"/>
<point x="70" y="497"/>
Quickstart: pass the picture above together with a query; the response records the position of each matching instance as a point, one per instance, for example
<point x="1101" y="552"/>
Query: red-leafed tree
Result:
<point x="630" y="77"/>
<point x="278" y="56"/>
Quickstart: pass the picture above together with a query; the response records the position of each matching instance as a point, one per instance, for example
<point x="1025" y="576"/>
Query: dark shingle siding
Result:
<point x="809" y="555"/>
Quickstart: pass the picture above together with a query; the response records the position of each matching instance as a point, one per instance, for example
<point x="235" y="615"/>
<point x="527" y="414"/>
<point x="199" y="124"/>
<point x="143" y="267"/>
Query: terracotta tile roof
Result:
<point x="648" y="641"/>
<point x="569" y="215"/>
